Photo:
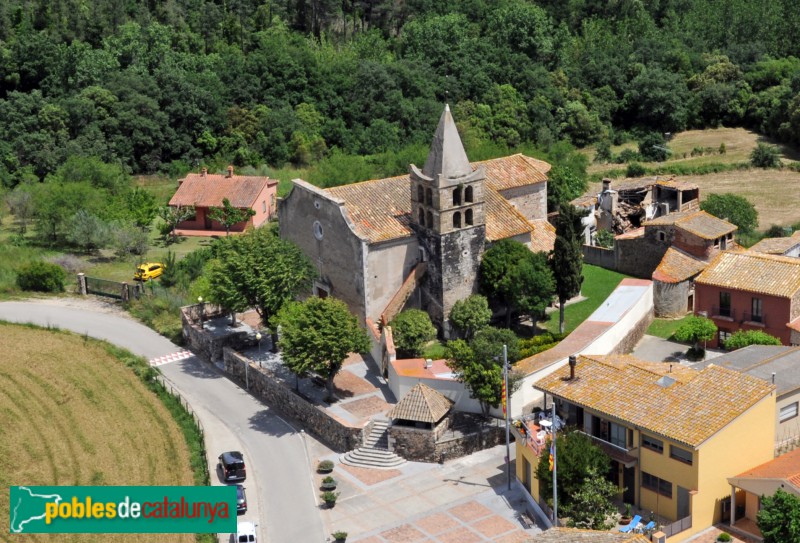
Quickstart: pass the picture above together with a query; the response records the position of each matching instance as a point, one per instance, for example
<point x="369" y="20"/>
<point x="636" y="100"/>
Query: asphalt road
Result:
<point x="282" y="498"/>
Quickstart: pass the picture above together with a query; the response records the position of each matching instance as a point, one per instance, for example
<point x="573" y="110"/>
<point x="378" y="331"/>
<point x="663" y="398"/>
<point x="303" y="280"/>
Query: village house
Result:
<point x="204" y="191"/>
<point x="416" y="240"/>
<point x="673" y="434"/>
<point x="786" y="246"/>
<point x="751" y="291"/>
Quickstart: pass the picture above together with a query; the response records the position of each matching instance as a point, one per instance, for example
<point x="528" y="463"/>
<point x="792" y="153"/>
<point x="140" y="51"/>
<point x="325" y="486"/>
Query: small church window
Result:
<point x="468" y="194"/>
<point x="457" y="220"/>
<point x="662" y="236"/>
<point x="457" y="196"/>
<point x="318" y="230"/>
<point x="468" y="217"/>
<point x="420" y="194"/>
<point x="429" y="220"/>
<point x="421" y="216"/>
<point x="428" y="196"/>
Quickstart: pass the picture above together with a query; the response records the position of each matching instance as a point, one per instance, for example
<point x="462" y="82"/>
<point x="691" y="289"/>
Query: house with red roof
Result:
<point x="204" y="191"/>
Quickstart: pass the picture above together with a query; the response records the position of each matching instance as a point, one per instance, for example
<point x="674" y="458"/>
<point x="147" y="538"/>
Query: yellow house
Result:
<point x="674" y="434"/>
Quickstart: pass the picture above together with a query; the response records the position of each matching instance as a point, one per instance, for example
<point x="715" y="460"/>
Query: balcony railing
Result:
<point x="723" y="312"/>
<point x="678" y="526"/>
<point x="749" y="317"/>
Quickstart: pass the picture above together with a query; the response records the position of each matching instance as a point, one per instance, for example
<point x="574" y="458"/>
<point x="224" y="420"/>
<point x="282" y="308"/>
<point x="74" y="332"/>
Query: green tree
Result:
<point x="142" y="207"/>
<point x="172" y="217"/>
<point x="743" y="338"/>
<point x="470" y="315"/>
<point x="258" y="270"/>
<point x="488" y="344"/>
<point x="602" y="152"/>
<point x="592" y="505"/>
<point x="170" y="275"/>
<point x="577" y="457"/>
<point x="21" y="204"/>
<point x="733" y="208"/>
<point x="765" y="156"/>
<point x="317" y="335"/>
<point x="779" y="517"/>
<point x="228" y="215"/>
<point x="567" y="258"/>
<point x="696" y="329"/>
<point x="129" y="240"/>
<point x="483" y="377"/>
<point x="88" y="232"/>
<point x="652" y="147"/>
<point x="411" y="330"/>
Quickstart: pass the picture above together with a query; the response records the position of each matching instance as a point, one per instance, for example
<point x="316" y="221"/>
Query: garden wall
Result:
<point x="204" y="344"/>
<point x="448" y="439"/>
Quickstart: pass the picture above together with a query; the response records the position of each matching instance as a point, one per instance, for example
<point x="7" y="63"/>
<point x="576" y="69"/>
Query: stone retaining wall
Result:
<point x="203" y="344"/>
<point x="424" y="445"/>
<point x="336" y="433"/>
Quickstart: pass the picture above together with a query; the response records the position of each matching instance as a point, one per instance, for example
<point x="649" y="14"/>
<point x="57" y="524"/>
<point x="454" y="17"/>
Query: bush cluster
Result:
<point x="41" y="277"/>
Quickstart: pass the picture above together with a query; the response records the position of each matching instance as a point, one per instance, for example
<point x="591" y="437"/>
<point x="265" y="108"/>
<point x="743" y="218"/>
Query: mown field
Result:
<point x="73" y="414"/>
<point x="774" y="193"/>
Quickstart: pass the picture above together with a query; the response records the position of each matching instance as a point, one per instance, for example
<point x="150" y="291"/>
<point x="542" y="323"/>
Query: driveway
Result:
<point x="656" y="349"/>
<point x="281" y="495"/>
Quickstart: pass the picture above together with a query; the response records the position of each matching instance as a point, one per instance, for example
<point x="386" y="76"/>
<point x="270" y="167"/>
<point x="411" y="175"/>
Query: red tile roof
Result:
<point x="677" y="266"/>
<point x="209" y="190"/>
<point x="753" y="272"/>
<point x="543" y="237"/>
<point x="777" y="246"/>
<point x="786" y="466"/>
<point x="699" y="223"/>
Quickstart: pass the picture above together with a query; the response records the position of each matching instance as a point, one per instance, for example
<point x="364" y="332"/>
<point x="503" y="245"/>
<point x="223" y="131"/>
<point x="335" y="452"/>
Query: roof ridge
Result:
<point x="772" y="358"/>
<point x="767" y="256"/>
<point x="328" y="189"/>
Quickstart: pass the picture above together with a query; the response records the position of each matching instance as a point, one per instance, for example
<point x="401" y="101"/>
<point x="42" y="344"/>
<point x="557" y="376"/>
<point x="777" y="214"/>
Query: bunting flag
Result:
<point x="504" y="397"/>
<point x="552" y="446"/>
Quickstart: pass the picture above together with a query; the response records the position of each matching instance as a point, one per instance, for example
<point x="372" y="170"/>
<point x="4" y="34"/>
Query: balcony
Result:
<point x="725" y="313"/>
<point x="756" y="320"/>
<point x="615" y="452"/>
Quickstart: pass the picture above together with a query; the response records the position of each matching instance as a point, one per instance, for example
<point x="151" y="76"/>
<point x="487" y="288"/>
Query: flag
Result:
<point x="504" y="397"/>
<point x="552" y="451"/>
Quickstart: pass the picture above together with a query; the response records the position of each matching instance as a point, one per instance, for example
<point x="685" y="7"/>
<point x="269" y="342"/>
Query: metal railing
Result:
<point x="723" y="312"/>
<point x="750" y="317"/>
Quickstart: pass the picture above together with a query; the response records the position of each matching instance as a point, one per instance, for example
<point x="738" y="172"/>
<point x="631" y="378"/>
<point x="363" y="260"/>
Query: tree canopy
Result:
<point x="733" y="208"/>
<point x="470" y="315"/>
<point x="779" y="517"/>
<point x="411" y="330"/>
<point x="567" y="257"/>
<point x="743" y="338"/>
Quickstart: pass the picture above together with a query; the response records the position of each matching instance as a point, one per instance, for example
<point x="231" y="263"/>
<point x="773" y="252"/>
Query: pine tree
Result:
<point x="567" y="259"/>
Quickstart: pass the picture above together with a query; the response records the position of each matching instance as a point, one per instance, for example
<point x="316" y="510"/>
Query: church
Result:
<point x="416" y="240"/>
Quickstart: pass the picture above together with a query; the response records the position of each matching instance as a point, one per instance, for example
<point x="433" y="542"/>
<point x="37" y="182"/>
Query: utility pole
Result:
<point x="555" y="469"/>
<point x="506" y="409"/>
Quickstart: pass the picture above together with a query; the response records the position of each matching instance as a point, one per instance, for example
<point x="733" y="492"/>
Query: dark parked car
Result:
<point x="241" y="499"/>
<point x="232" y="466"/>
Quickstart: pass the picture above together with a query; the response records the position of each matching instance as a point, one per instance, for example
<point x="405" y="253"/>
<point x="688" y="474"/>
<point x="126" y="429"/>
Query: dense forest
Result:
<point x="164" y="85"/>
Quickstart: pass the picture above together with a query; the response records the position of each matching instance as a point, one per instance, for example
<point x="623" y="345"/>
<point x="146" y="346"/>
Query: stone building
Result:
<point x="416" y="240"/>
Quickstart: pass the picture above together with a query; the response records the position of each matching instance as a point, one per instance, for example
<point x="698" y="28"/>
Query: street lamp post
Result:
<point x="258" y="338"/>
<point x="506" y="409"/>
<point x="202" y="307"/>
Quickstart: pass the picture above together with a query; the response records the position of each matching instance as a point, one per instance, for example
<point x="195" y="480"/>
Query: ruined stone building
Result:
<point x="416" y="240"/>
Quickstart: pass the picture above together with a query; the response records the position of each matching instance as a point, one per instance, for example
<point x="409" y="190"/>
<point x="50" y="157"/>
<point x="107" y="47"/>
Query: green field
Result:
<point x="598" y="283"/>
<point x="72" y="413"/>
<point x="665" y="327"/>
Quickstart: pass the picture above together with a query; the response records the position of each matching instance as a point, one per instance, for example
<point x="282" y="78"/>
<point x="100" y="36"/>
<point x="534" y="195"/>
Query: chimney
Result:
<point x="573" y="361"/>
<point x="203" y="172"/>
<point x="606" y="184"/>
<point x="670" y="368"/>
<point x="773" y="377"/>
<point x="230" y="171"/>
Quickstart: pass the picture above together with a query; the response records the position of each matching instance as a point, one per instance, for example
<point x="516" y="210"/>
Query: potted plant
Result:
<point x="325" y="466"/>
<point x="329" y="497"/>
<point x="339" y="536"/>
<point x="328" y="483"/>
<point x="626" y="517"/>
<point x="724" y="537"/>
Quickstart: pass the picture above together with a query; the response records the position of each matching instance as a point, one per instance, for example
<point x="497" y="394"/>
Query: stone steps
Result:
<point x="365" y="457"/>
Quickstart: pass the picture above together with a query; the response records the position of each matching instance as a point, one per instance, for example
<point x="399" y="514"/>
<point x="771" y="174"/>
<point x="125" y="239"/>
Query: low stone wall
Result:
<point x="440" y="444"/>
<point x="599" y="256"/>
<point x="635" y="334"/>
<point x="202" y="343"/>
<point x="336" y="433"/>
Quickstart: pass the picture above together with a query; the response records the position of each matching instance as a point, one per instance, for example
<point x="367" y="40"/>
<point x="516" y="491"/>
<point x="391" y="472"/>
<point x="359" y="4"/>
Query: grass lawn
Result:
<point x="598" y="283"/>
<point x="434" y="350"/>
<point x="72" y="413"/>
<point x="665" y="327"/>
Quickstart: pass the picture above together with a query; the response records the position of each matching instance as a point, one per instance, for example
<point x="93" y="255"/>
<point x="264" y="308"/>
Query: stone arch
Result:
<point x="428" y="197"/>
<point x="420" y="194"/>
<point x="457" y="219"/>
<point x="468" y="194"/>
<point x="457" y="196"/>
<point x="429" y="220"/>
<point x="468" y="217"/>
<point x="422" y="216"/>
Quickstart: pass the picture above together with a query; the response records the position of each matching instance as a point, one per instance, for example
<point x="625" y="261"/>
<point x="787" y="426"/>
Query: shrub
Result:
<point x="722" y="148"/>
<point x="604" y="238"/>
<point x="743" y="338"/>
<point x="411" y="330"/>
<point x="653" y="147"/>
<point x="603" y="152"/>
<point x="635" y="170"/>
<point x="724" y="537"/>
<point x="325" y="466"/>
<point x="339" y="535"/>
<point x="765" y="156"/>
<point x="328" y="479"/>
<point x="42" y="277"/>
<point x="330" y="497"/>
<point x="627" y="155"/>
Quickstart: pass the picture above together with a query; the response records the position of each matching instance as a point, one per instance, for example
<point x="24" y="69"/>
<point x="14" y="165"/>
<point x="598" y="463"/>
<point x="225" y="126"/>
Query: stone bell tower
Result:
<point x="448" y="212"/>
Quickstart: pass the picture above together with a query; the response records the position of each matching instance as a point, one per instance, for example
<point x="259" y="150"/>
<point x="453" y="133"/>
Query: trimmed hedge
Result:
<point x="41" y="277"/>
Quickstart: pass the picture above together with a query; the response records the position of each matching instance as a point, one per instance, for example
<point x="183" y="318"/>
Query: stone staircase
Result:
<point x="375" y="453"/>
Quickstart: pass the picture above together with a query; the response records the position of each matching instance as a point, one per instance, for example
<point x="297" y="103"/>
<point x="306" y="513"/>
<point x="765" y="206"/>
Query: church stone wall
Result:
<point x="316" y="222"/>
<point x="670" y="299"/>
<point x="388" y="265"/>
<point x="530" y="200"/>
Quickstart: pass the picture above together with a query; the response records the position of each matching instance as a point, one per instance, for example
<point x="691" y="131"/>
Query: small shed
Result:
<point x="421" y="407"/>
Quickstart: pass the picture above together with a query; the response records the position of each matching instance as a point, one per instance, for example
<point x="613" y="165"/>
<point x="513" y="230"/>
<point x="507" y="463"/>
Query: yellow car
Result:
<point x="149" y="270"/>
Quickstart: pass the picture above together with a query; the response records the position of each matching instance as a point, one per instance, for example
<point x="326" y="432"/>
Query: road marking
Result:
<point x="173" y="357"/>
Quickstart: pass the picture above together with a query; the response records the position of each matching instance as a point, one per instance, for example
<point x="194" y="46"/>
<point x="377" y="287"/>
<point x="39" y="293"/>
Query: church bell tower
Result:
<point x="448" y="211"/>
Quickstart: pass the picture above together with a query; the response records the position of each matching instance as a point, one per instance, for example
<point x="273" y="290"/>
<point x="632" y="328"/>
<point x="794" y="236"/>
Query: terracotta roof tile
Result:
<point x="753" y="272"/>
<point x="209" y="190"/>
<point x="381" y="208"/>
<point x="677" y="266"/>
<point x="628" y="389"/>
<point x="575" y="535"/>
<point x="543" y="237"/>
<point x="699" y="223"/>
<point x="786" y="466"/>
<point x="777" y="246"/>
<point x="421" y="404"/>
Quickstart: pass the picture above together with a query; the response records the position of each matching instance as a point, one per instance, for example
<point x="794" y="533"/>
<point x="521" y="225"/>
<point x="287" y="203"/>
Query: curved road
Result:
<point x="282" y="498"/>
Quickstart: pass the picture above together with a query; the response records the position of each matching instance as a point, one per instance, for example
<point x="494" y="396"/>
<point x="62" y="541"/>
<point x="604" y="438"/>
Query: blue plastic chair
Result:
<point x="633" y="524"/>
<point x="649" y="526"/>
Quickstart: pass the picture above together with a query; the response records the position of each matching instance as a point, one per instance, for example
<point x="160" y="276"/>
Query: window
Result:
<point x="263" y="206"/>
<point x="651" y="482"/>
<point x="428" y="196"/>
<point x="429" y="220"/>
<point x="723" y="335"/>
<point x="653" y="444"/>
<point x="788" y="412"/>
<point x="662" y="236"/>
<point x="755" y="307"/>
<point x="318" y="230"/>
<point x="468" y="217"/>
<point x="457" y="197"/>
<point x="618" y="435"/>
<point x="468" y="194"/>
<point x="681" y="455"/>
<point x="725" y="304"/>
<point x="456" y="220"/>
<point x="420" y="194"/>
<point x="421" y="216"/>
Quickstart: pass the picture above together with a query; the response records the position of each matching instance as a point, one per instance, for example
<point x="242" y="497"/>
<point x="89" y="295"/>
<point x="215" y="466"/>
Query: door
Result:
<point x="526" y="474"/>
<point x="683" y="502"/>
<point x="207" y="220"/>
<point x="629" y="482"/>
